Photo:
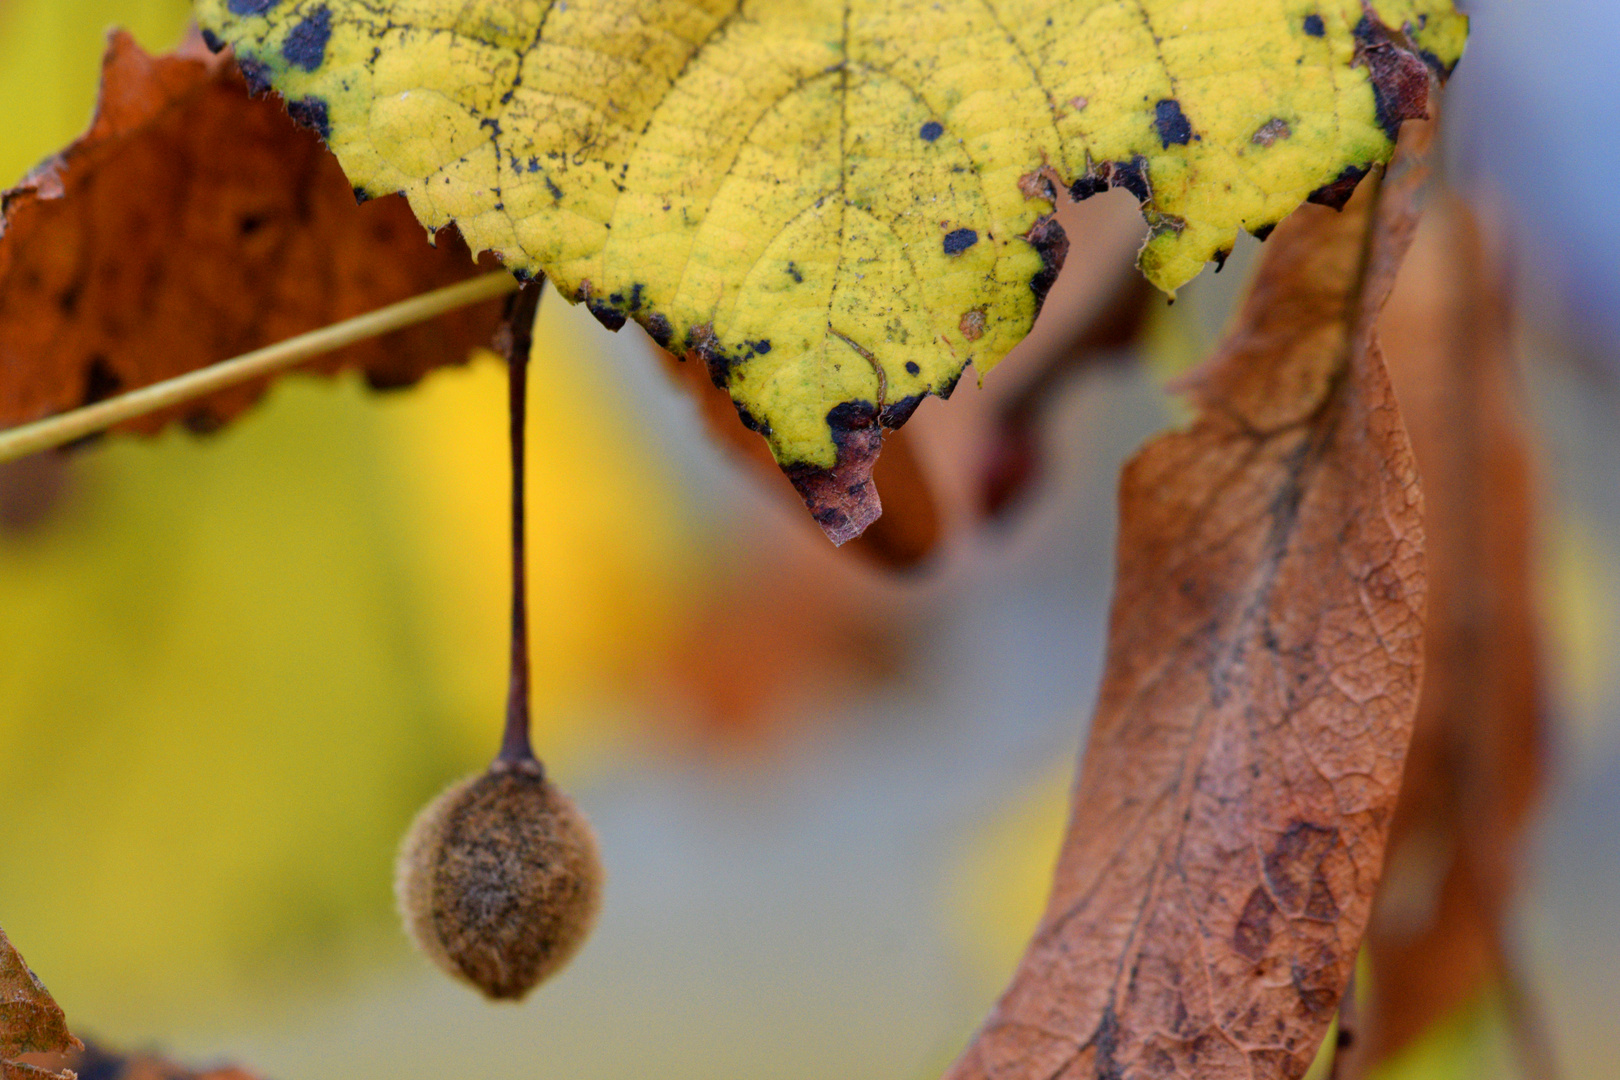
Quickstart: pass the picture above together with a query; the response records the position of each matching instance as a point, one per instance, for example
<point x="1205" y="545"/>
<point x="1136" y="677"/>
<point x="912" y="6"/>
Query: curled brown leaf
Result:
<point x="1233" y="804"/>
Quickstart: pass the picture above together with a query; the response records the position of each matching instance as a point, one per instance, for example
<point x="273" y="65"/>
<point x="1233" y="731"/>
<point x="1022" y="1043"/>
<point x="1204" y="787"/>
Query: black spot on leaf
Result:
<point x="606" y="314"/>
<point x="214" y="42"/>
<point x="1132" y="175"/>
<point x="1049" y="239"/>
<point x="897" y="413"/>
<point x="659" y="330"/>
<point x="1087" y="186"/>
<point x="912" y="368"/>
<point x="1172" y="124"/>
<point x="1313" y="26"/>
<point x="249" y="7"/>
<point x="305" y="45"/>
<point x="960" y="240"/>
<point x="751" y="422"/>
<point x="849" y="417"/>
<point x="931" y="131"/>
<point x="1337" y="192"/>
<point x="256" y="74"/>
<point x="311" y="112"/>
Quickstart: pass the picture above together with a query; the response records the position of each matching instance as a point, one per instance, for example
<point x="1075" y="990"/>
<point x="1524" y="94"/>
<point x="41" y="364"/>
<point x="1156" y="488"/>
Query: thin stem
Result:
<point x="54" y="431"/>
<point x="515" y="747"/>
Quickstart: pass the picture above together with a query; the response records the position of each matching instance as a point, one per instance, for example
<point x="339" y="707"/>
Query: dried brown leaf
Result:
<point x="193" y="223"/>
<point x="1475" y="768"/>
<point x="30" y="1019"/>
<point x="94" y="1060"/>
<point x="1264" y="656"/>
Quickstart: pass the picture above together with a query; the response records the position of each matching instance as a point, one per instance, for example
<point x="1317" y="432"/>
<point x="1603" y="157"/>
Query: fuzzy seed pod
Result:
<point x="499" y="880"/>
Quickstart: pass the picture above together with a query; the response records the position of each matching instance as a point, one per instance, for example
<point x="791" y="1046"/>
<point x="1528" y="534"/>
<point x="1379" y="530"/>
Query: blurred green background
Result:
<point x="232" y="668"/>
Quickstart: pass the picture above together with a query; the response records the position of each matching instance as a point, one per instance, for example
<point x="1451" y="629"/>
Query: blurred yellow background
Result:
<point x="235" y="666"/>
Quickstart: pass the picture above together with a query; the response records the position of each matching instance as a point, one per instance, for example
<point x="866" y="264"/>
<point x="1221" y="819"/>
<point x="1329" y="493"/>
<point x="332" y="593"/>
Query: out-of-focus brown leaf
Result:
<point x="192" y="223"/>
<point x="30" y="1020"/>
<point x="30" y="489"/>
<point x="775" y="644"/>
<point x="1264" y="657"/>
<point x="95" y="1062"/>
<point x="1475" y="768"/>
<point x="1014" y="465"/>
<point x="910" y="527"/>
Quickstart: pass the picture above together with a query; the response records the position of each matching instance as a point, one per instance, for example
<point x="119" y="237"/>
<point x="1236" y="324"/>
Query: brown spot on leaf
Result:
<point x="1319" y="984"/>
<point x="1252" y="936"/>
<point x="1399" y="76"/>
<point x="1052" y="243"/>
<point x="842" y="499"/>
<point x="1295" y="860"/>
<point x="1271" y="131"/>
<point x="1037" y="185"/>
<point x="971" y="324"/>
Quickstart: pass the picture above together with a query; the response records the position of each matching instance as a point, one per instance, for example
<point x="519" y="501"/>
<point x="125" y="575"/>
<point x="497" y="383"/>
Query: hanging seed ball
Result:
<point x="499" y="879"/>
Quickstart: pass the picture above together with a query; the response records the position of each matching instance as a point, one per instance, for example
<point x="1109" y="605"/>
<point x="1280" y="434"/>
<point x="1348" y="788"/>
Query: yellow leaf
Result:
<point x="838" y="205"/>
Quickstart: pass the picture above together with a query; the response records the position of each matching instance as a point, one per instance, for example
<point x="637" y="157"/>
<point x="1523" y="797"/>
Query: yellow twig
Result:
<point x="63" y="428"/>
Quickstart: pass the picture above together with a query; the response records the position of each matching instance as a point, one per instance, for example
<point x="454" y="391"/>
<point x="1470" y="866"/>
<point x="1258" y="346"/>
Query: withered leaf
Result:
<point x="30" y="1020"/>
<point x="94" y="1060"/>
<point x="1264" y="656"/>
<point x="910" y="528"/>
<point x="1475" y="767"/>
<point x="192" y="223"/>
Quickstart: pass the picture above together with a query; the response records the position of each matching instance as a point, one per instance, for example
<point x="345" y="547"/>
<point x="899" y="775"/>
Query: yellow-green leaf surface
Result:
<point x="839" y="204"/>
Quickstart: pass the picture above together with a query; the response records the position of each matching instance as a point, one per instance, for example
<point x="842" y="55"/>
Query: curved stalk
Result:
<point x="54" y="431"/>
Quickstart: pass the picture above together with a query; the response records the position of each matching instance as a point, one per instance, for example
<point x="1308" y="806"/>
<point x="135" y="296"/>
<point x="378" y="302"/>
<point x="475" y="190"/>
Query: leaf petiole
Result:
<point x="54" y="431"/>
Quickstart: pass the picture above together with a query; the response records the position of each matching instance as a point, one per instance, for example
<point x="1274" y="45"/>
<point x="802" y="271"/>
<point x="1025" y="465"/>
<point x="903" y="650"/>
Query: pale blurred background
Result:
<point x="232" y="668"/>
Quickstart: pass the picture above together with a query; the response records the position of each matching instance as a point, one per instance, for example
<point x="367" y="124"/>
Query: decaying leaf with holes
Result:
<point x="1264" y="656"/>
<point x="838" y="205"/>
<point x="192" y="223"/>
<point x="31" y="1022"/>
